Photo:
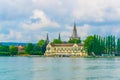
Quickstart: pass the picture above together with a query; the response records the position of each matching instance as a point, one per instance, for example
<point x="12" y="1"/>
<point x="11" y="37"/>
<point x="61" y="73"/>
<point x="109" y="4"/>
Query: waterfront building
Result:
<point x="21" y="49"/>
<point x="66" y="49"/>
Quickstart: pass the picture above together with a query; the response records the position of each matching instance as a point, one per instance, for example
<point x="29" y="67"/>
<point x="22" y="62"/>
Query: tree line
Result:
<point x="98" y="45"/>
<point x="29" y="49"/>
<point x="32" y="49"/>
<point x="94" y="45"/>
<point x="36" y="49"/>
<point x="8" y="50"/>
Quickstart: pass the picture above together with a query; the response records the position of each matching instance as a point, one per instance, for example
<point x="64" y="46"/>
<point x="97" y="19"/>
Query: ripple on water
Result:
<point x="37" y="68"/>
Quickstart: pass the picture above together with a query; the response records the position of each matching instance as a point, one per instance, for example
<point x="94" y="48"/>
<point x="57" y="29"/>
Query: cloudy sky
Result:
<point x="30" y="20"/>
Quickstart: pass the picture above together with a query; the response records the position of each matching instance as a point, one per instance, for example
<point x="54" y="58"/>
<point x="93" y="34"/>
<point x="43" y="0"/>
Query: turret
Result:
<point x="47" y="38"/>
<point x="74" y="34"/>
<point x="59" y="37"/>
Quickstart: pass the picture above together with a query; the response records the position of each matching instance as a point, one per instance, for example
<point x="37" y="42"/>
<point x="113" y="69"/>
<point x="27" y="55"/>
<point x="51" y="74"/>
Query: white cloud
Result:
<point x="83" y="31"/>
<point x="47" y="13"/>
<point x="20" y="36"/>
<point x="84" y="10"/>
<point x="97" y="10"/>
<point x="15" y="9"/>
<point x="46" y="3"/>
<point x="13" y="35"/>
<point x="43" y="21"/>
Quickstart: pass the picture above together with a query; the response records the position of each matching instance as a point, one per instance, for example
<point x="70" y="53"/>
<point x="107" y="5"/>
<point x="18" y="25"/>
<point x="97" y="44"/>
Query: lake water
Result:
<point x="44" y="68"/>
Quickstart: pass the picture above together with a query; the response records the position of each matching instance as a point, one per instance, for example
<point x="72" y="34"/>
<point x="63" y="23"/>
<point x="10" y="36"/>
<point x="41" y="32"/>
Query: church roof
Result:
<point x="47" y="38"/>
<point x="64" y="45"/>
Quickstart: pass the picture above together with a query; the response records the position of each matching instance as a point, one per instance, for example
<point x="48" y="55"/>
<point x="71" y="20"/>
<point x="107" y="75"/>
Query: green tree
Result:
<point x="88" y="44"/>
<point x="74" y="41"/>
<point x="110" y="45"/>
<point x="37" y="50"/>
<point x="95" y="44"/>
<point x="98" y="45"/>
<point x="41" y="43"/>
<point x="114" y="45"/>
<point x="29" y="48"/>
<point x="13" y="50"/>
<point x="57" y="41"/>
<point x="118" y="46"/>
<point x="4" y="48"/>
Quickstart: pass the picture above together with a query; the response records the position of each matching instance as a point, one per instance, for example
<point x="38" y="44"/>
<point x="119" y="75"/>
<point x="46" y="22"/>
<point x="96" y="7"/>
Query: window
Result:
<point x="48" y="48"/>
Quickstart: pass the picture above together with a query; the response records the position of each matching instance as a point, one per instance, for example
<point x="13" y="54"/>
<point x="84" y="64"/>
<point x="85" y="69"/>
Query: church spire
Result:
<point x="47" y="38"/>
<point x="74" y="34"/>
<point x="59" y="37"/>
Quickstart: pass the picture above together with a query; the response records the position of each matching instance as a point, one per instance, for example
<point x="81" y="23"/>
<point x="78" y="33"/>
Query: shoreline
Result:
<point x="26" y="55"/>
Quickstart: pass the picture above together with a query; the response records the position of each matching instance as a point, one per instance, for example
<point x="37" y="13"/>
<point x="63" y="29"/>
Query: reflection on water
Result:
<point x="38" y="68"/>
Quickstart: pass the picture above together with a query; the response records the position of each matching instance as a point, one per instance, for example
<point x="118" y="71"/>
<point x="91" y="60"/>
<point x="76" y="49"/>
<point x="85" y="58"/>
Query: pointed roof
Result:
<point x="75" y="30"/>
<point x="74" y="35"/>
<point x="47" y="38"/>
<point x="59" y="37"/>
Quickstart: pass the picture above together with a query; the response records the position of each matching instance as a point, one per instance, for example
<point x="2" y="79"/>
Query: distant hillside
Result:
<point x="13" y="43"/>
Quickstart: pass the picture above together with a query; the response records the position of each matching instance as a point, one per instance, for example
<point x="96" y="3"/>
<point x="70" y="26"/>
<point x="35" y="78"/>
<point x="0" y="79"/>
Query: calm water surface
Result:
<point x="38" y="68"/>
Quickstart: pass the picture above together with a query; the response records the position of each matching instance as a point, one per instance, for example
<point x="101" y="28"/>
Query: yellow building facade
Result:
<point x="65" y="50"/>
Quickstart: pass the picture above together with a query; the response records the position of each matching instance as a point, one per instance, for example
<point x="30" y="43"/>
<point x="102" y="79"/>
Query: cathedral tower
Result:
<point x="59" y="37"/>
<point x="74" y="34"/>
<point x="47" y="38"/>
